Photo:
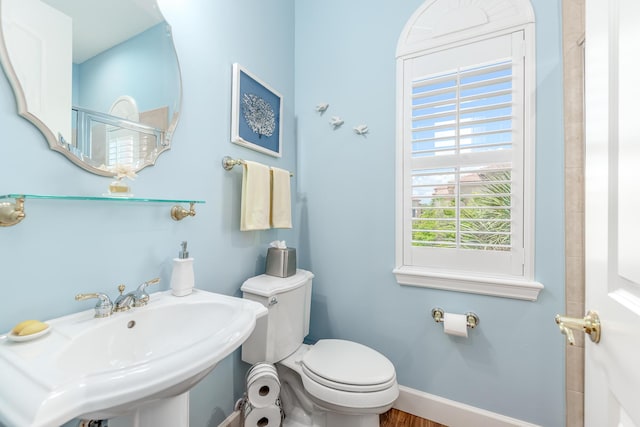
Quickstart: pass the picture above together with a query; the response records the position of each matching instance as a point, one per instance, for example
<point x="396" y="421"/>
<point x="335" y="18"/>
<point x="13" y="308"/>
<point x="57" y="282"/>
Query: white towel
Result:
<point x="256" y="195"/>
<point x="280" y="198"/>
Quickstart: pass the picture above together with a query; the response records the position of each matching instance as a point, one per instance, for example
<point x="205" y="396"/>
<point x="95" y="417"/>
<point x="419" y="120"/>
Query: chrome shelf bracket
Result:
<point x="179" y="213"/>
<point x="11" y="213"/>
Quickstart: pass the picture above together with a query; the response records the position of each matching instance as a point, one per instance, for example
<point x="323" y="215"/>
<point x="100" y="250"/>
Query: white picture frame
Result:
<point x="256" y="113"/>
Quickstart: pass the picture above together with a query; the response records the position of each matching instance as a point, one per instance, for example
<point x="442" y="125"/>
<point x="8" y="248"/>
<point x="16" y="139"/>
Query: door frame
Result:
<point x="573" y="28"/>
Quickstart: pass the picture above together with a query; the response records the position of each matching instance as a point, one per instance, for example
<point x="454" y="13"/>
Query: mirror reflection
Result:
<point x="99" y="78"/>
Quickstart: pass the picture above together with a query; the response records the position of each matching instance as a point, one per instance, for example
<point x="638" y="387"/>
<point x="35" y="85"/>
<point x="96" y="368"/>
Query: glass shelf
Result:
<point x="99" y="198"/>
<point x="12" y="212"/>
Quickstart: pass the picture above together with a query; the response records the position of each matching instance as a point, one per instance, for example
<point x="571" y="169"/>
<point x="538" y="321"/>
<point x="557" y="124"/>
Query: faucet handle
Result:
<point x="141" y="296"/>
<point x="104" y="306"/>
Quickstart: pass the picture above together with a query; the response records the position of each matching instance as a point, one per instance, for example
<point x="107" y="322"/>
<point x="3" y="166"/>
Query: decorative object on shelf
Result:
<point x="361" y="130"/>
<point x="256" y="113"/>
<point x="321" y="108"/>
<point x="336" y="122"/>
<point x="12" y="212"/>
<point x="118" y="188"/>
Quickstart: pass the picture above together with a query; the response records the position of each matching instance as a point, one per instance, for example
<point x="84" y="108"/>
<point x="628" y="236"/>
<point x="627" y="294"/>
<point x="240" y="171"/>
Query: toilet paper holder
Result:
<point x="472" y="319"/>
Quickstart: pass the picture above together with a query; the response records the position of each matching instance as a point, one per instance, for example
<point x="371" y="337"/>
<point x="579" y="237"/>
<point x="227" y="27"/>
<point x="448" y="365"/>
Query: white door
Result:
<point x="612" y="222"/>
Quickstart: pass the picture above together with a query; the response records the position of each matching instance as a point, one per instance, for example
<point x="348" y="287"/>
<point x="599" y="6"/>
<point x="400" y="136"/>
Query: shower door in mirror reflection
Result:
<point x="38" y="40"/>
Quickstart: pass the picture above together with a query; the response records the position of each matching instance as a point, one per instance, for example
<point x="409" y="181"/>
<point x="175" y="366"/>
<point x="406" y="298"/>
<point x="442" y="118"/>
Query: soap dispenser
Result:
<point x="182" y="278"/>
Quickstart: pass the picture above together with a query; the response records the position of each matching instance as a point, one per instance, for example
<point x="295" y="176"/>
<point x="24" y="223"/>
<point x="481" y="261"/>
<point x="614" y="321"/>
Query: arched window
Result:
<point x="465" y="162"/>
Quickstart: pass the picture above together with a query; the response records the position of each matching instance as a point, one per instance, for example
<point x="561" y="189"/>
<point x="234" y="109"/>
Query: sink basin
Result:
<point x="100" y="368"/>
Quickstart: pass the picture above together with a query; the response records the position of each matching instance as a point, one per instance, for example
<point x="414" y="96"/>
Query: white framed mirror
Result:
<point x="100" y="79"/>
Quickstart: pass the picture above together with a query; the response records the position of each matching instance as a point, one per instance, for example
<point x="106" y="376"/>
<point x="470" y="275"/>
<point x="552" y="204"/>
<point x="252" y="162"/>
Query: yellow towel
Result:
<point x="256" y="195"/>
<point x="280" y="198"/>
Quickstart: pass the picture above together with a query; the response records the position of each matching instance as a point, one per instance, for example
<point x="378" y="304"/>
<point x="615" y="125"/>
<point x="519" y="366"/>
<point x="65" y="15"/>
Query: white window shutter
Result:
<point x="463" y="157"/>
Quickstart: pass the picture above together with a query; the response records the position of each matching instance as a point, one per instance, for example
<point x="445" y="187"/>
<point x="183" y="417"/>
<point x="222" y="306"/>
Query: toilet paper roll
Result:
<point x="455" y="324"/>
<point x="262" y="417"/>
<point x="263" y="390"/>
<point x="260" y="369"/>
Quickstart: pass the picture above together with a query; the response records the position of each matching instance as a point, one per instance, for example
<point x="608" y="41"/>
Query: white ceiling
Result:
<point x="101" y="24"/>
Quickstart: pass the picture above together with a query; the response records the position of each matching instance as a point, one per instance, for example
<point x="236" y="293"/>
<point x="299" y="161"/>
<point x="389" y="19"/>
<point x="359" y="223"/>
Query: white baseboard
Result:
<point x="434" y="408"/>
<point x="450" y="412"/>
<point x="232" y="420"/>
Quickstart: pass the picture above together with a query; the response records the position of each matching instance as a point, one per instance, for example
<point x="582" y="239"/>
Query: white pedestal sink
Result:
<point x="168" y="412"/>
<point x="95" y="368"/>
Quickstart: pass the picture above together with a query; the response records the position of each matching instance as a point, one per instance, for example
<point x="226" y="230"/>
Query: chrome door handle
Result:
<point x="590" y="324"/>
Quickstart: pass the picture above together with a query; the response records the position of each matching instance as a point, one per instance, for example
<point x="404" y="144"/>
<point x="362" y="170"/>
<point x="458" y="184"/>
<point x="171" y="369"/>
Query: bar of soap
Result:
<point x="29" y="327"/>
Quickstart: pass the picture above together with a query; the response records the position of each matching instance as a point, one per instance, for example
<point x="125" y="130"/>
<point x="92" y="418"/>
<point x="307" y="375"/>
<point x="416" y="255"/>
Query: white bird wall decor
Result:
<point x="336" y="122"/>
<point x="321" y="108"/>
<point x="361" y="130"/>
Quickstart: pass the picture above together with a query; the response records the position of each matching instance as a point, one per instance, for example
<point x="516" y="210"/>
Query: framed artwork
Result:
<point x="256" y="113"/>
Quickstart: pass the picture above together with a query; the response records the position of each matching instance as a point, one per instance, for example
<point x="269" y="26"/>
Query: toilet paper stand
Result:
<point x="472" y="319"/>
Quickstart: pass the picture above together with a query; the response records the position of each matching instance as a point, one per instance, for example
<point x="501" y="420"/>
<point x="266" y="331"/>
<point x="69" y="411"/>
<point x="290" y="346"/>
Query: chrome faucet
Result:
<point x="140" y="296"/>
<point x="123" y="302"/>
<point x="137" y="298"/>
<point x="104" y="306"/>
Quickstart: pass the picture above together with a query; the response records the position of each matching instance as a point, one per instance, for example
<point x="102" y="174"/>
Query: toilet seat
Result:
<point x="348" y="366"/>
<point x="347" y="377"/>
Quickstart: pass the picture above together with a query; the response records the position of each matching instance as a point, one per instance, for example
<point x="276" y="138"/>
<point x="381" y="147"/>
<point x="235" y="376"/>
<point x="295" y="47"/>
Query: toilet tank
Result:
<point x="282" y="330"/>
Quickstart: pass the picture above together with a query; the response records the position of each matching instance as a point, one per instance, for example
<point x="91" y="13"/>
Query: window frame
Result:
<point x="517" y="286"/>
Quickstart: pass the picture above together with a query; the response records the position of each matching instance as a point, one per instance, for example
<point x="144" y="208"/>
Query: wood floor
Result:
<point x="395" y="418"/>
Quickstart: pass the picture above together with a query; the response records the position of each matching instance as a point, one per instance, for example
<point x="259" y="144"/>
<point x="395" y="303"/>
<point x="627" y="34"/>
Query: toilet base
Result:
<point x="368" y="420"/>
<point x="301" y="411"/>
<point x="335" y="420"/>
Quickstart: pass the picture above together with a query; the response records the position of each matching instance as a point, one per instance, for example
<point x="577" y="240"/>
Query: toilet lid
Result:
<point x="348" y="366"/>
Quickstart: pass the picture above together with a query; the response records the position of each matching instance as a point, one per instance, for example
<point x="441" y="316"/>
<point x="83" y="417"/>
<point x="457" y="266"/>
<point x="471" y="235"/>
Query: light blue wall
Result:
<point x="63" y="248"/>
<point x="344" y="53"/>
<point x="513" y="364"/>
<point x="139" y="67"/>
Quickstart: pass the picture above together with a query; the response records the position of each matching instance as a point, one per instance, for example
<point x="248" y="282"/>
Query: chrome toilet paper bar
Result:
<point x="472" y="319"/>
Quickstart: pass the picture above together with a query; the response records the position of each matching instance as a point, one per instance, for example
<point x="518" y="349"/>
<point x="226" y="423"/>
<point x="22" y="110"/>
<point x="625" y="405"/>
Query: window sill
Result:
<point x="484" y="285"/>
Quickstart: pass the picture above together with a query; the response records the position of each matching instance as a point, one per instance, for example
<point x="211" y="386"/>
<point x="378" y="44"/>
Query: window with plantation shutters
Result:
<point x="465" y="176"/>
<point x="462" y="147"/>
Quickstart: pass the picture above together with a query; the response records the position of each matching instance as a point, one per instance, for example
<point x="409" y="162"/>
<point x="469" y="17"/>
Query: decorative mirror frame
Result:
<point x="61" y="146"/>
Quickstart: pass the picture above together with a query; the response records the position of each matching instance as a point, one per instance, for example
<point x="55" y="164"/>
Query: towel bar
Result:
<point x="228" y="163"/>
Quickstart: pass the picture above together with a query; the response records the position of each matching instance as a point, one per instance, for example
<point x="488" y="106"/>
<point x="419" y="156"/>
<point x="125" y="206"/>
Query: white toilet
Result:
<point x="333" y="383"/>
